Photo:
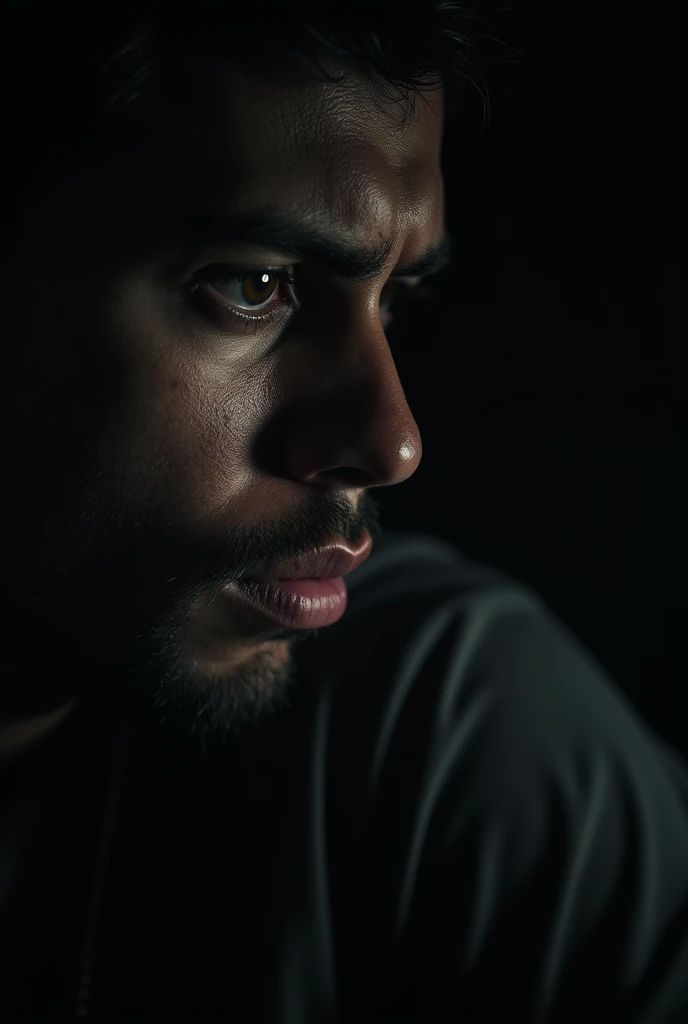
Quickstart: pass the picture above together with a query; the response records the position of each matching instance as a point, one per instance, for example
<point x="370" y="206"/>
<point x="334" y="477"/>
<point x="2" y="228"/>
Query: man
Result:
<point x="262" y="761"/>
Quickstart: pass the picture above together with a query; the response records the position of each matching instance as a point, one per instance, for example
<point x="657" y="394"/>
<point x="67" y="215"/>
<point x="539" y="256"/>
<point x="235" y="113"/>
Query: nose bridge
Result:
<point x="351" y="413"/>
<point x="373" y="378"/>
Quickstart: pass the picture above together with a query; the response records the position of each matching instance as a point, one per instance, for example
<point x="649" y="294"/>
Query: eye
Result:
<point x="391" y="296"/>
<point x="396" y="297"/>
<point x="247" y="296"/>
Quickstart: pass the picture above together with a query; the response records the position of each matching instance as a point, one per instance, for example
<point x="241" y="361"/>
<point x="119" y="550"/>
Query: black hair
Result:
<point x="83" y="81"/>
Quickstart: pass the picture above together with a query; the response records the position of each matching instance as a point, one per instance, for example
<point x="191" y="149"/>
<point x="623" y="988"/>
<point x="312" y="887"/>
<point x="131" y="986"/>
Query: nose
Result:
<point x="351" y="421"/>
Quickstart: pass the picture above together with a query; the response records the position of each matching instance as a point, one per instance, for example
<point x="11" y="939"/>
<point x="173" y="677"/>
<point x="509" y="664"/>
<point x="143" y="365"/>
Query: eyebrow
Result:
<point x="271" y="228"/>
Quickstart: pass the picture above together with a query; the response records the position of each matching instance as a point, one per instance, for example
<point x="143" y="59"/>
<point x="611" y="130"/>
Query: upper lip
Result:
<point x="338" y="559"/>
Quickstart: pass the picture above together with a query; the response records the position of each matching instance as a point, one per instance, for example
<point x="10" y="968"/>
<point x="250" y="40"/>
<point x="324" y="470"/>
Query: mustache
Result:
<point x="146" y="567"/>
<point x="252" y="549"/>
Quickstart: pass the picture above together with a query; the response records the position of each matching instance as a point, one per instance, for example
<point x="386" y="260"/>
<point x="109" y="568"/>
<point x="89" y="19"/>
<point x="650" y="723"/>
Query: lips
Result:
<point x="330" y="562"/>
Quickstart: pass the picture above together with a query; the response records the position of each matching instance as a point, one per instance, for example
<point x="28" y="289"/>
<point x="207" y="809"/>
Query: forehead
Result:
<point x="337" y="151"/>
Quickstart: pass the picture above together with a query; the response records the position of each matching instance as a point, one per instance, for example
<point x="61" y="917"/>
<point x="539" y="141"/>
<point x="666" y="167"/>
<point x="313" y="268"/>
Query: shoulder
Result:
<point x="452" y="693"/>
<point x="495" y="790"/>
<point x="429" y="626"/>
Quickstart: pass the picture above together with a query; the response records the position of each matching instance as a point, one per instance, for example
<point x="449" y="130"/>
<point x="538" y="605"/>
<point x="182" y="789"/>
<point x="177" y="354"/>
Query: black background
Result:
<point x="548" y="375"/>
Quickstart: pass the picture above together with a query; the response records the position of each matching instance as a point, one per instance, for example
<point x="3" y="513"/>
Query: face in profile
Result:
<point x="200" y="390"/>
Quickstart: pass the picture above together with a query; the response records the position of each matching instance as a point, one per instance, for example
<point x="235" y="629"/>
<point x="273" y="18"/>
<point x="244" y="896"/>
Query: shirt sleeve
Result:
<point x="537" y="867"/>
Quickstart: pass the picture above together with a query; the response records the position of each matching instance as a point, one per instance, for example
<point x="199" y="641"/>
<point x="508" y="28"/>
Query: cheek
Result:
<point x="199" y="433"/>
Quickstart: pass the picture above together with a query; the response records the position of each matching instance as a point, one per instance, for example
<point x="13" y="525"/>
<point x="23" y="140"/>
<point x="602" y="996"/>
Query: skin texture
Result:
<point x="154" y="452"/>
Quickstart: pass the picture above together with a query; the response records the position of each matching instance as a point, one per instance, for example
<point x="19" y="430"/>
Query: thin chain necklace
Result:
<point x="103" y="856"/>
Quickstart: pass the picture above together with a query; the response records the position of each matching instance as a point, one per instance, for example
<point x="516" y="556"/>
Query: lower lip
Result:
<point x="298" y="604"/>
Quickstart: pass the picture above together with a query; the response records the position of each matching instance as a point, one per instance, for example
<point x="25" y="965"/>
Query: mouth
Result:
<point x="332" y="561"/>
<point x="306" y="593"/>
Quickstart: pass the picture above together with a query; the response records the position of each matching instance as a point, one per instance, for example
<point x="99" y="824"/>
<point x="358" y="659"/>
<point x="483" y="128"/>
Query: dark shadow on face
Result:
<point x="172" y="652"/>
<point x="155" y="451"/>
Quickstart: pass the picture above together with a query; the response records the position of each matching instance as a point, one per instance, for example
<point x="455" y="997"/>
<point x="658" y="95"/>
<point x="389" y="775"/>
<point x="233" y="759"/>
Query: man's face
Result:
<point x="158" y="443"/>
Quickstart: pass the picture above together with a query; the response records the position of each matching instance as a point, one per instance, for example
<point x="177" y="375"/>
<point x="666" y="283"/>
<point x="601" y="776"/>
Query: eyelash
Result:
<point x="246" y="323"/>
